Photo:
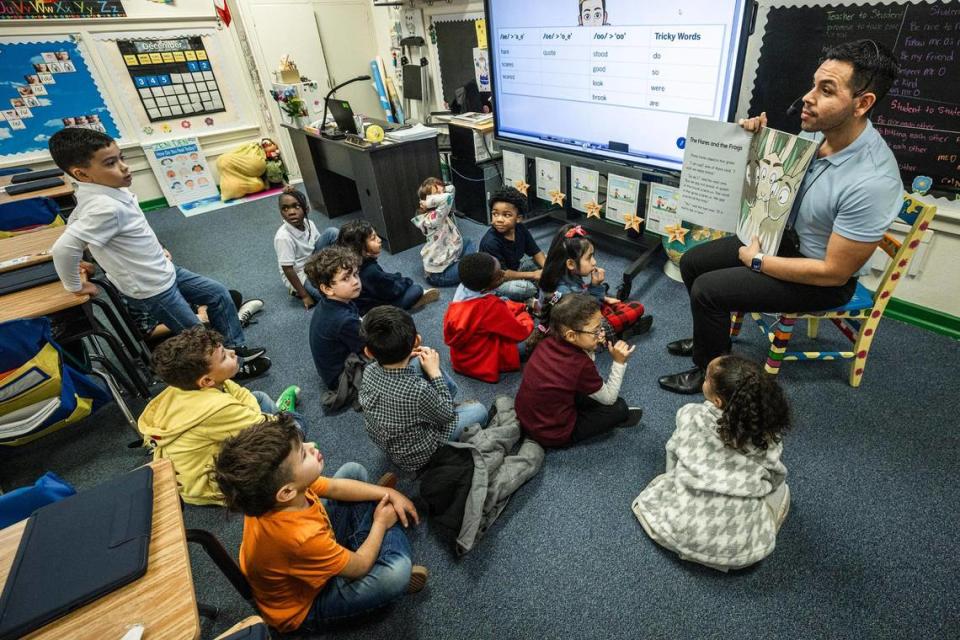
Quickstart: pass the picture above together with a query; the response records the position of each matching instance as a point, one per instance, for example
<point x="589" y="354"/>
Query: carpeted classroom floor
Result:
<point x="869" y="549"/>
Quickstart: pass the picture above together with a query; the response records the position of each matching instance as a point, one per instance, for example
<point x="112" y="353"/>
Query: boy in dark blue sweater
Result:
<point x="378" y="286"/>
<point x="335" y="326"/>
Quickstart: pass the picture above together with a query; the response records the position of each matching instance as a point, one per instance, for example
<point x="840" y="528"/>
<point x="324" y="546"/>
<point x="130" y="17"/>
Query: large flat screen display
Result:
<point x="616" y="79"/>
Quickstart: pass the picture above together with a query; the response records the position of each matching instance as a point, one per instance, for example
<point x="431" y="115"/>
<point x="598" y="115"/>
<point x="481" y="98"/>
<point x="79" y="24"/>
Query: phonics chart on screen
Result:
<point x="614" y="78"/>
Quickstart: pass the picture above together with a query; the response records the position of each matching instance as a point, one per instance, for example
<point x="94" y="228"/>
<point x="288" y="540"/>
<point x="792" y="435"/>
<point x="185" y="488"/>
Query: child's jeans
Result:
<point x="520" y="290"/>
<point x="468" y="413"/>
<point x="410" y="296"/>
<point x="452" y="386"/>
<point x="268" y="406"/>
<point x="450" y="277"/>
<point x="387" y="580"/>
<point x="172" y="307"/>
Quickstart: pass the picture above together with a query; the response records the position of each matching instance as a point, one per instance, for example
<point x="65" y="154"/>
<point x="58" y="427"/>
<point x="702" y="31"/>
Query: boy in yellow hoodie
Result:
<point x="201" y="407"/>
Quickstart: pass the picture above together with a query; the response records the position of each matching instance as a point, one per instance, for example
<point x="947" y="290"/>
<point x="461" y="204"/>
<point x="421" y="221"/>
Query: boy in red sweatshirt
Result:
<point x="484" y="332"/>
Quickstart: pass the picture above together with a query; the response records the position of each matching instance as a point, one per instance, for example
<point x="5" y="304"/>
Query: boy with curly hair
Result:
<point x="201" y="407"/>
<point x="509" y="241"/>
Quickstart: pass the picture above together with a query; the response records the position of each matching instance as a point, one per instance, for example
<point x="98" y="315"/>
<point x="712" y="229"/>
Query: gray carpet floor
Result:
<point x="869" y="549"/>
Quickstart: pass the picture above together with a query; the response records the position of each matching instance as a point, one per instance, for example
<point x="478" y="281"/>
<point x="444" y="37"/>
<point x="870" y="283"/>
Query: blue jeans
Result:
<point x="450" y="277"/>
<point x="172" y="307"/>
<point x="452" y="386"/>
<point x="387" y="580"/>
<point x="520" y="290"/>
<point x="268" y="406"/>
<point x="468" y="413"/>
<point x="326" y="238"/>
<point x="410" y="296"/>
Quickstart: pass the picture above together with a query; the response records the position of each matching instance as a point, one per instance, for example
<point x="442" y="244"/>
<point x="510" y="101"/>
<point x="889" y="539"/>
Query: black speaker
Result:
<point x="474" y="184"/>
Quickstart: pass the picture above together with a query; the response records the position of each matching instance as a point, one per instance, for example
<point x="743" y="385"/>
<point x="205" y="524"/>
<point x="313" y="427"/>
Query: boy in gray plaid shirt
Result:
<point x="407" y="404"/>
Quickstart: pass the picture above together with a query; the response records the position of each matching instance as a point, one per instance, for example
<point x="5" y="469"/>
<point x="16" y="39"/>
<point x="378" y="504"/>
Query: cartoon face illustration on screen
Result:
<point x="593" y="13"/>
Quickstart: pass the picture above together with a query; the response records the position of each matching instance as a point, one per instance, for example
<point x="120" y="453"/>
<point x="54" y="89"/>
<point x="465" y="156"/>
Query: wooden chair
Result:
<point x="858" y="319"/>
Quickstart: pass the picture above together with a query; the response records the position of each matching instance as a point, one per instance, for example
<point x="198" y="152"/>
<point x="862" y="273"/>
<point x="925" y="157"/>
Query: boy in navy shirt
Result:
<point x="335" y="326"/>
<point x="511" y="244"/>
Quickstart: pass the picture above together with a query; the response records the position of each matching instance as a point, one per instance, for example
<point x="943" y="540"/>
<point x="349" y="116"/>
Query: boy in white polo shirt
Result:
<point x="295" y="241"/>
<point x="108" y="221"/>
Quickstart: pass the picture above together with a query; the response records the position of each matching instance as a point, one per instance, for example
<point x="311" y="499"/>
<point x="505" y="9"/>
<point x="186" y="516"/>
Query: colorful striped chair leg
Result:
<point x="736" y="323"/>
<point x="782" y="333"/>
<point x="861" y="348"/>
<point x="813" y="327"/>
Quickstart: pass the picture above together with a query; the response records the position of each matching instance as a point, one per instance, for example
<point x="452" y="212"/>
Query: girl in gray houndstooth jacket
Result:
<point x="723" y="497"/>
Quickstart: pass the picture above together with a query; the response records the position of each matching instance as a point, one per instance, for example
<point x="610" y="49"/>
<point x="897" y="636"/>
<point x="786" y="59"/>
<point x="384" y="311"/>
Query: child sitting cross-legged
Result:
<point x="485" y="333"/>
<point x="562" y="398"/>
<point x="201" y="407"/>
<point x="380" y="287"/>
<point x="295" y="241"/>
<point x="315" y="550"/>
<point x="407" y="403"/>
<point x="571" y="259"/>
<point x="335" y="325"/>
<point x="723" y="496"/>
<point x="509" y="241"/>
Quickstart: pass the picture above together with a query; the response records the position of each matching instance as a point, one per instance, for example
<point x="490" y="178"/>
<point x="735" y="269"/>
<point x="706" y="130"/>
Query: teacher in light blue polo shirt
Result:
<point x="849" y="197"/>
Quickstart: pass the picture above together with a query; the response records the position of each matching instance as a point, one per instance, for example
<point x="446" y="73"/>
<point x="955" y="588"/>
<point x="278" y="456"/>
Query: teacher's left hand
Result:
<point x="747" y="252"/>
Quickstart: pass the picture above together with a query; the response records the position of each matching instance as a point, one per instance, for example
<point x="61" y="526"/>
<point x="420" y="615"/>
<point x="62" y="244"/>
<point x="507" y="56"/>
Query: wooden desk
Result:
<point x="35" y="244"/>
<point x="162" y="600"/>
<point x="38" y="301"/>
<point x="381" y="180"/>
<point x="62" y="194"/>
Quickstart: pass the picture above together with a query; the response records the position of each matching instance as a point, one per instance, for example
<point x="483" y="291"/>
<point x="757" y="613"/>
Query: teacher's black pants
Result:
<point x="718" y="284"/>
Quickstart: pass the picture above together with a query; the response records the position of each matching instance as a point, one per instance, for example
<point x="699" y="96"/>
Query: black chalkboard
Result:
<point x="919" y="119"/>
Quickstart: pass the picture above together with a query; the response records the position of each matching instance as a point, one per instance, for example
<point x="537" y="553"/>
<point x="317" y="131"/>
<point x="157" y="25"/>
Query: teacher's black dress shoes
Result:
<point x="686" y="382"/>
<point x="681" y="347"/>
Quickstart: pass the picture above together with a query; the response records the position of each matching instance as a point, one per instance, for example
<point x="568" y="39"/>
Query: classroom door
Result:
<point x="276" y="28"/>
<point x="346" y="30"/>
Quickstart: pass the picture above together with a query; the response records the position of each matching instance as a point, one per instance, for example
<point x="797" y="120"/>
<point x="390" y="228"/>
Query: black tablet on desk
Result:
<point x="78" y="550"/>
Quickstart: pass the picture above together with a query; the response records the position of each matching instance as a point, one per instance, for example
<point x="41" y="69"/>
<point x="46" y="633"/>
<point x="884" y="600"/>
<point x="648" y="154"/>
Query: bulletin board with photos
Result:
<point x="173" y="77"/>
<point x="46" y="85"/>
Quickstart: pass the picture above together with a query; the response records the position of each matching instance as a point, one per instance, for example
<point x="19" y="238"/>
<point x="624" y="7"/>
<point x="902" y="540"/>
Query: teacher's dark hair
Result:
<point x="874" y="67"/>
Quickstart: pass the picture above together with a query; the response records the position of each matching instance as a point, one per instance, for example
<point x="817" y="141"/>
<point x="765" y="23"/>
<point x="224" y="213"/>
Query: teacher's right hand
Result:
<point x="754" y="124"/>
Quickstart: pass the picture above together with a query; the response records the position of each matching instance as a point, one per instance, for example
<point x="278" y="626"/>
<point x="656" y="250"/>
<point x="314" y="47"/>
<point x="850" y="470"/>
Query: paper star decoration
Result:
<point x="631" y="221"/>
<point x="556" y="197"/>
<point x="676" y="232"/>
<point x="593" y="209"/>
<point x="521" y="186"/>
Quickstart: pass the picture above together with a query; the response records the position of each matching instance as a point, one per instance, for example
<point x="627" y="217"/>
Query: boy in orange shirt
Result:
<point x="314" y="549"/>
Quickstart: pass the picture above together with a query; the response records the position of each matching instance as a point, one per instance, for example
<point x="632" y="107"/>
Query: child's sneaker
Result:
<point x="418" y="578"/>
<point x="253" y="368"/>
<point x="639" y="327"/>
<point x="634" y="414"/>
<point x="246" y="354"/>
<point x="287" y="401"/>
<point x="388" y="480"/>
<point x="430" y="295"/>
<point x="249" y="309"/>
